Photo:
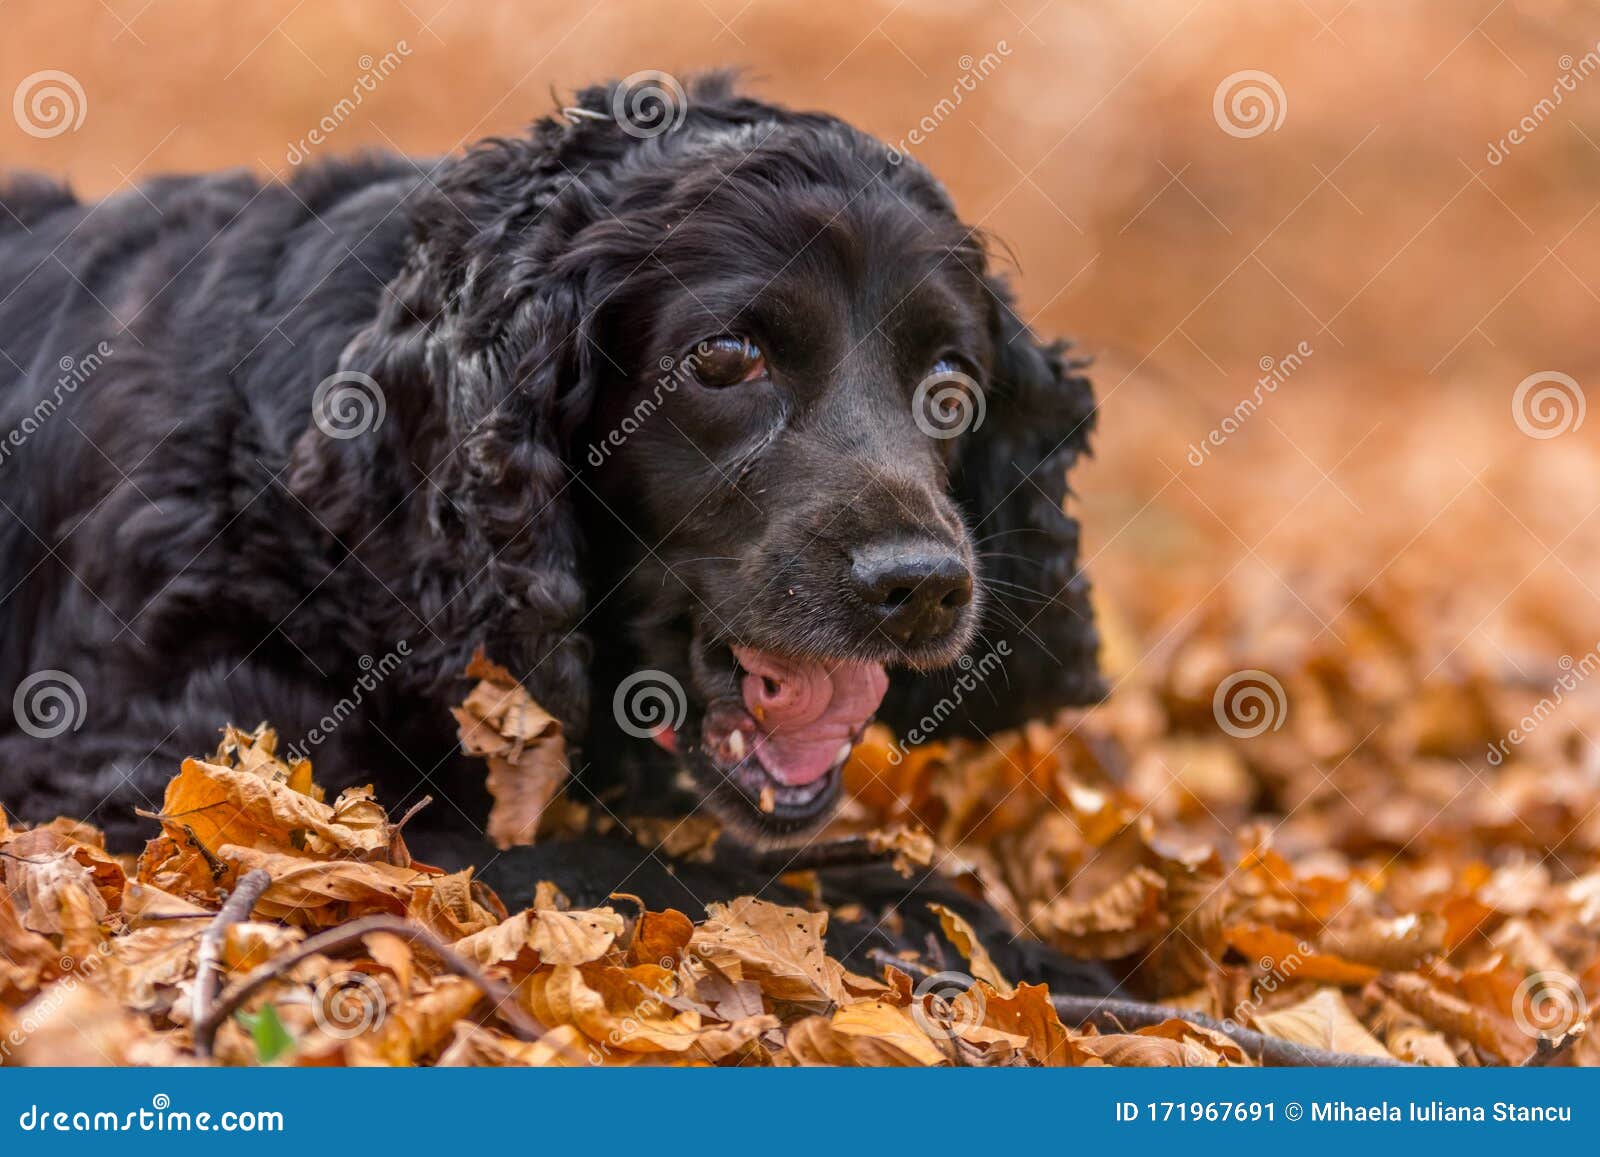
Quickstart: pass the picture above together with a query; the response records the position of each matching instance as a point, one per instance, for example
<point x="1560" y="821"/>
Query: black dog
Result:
<point x="702" y="399"/>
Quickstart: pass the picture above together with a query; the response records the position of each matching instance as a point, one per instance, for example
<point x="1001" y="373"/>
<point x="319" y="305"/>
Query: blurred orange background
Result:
<point x="1348" y="205"/>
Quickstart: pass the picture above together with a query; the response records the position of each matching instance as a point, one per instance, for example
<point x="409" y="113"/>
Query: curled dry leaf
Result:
<point x="318" y="893"/>
<point x="217" y="805"/>
<point x="523" y="744"/>
<point x="1453" y="1016"/>
<point x="1170" y="1043"/>
<point x="873" y="1033"/>
<point x="781" y="949"/>
<point x="1323" y="1021"/>
<point x="1123" y="919"/>
<point x="912" y="847"/>
<point x="960" y="933"/>
<point x="553" y="936"/>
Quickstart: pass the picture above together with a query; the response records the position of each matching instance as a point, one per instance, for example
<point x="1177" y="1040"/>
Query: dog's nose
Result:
<point x="916" y="588"/>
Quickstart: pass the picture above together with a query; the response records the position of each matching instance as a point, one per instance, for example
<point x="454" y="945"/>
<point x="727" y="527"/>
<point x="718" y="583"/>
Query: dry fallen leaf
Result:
<point x="779" y="948"/>
<point x="523" y="744"/>
<point x="1324" y="1021"/>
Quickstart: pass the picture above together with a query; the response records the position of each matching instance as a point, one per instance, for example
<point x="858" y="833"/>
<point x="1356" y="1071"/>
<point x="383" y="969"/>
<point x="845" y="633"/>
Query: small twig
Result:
<point x="411" y="812"/>
<point x="1547" y="1052"/>
<point x="522" y="1026"/>
<point x="884" y="956"/>
<point x="208" y="961"/>
<point x="1118" y="1015"/>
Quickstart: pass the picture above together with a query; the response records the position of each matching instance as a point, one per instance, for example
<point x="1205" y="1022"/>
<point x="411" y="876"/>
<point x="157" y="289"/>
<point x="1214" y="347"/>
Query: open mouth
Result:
<point x="782" y="741"/>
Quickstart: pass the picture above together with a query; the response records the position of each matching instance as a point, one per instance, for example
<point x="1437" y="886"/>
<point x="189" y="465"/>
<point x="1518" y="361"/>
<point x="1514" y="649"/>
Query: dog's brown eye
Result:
<point x="728" y="361"/>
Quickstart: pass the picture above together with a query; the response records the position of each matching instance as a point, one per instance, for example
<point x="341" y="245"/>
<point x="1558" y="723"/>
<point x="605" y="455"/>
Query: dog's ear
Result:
<point x="481" y="353"/>
<point x="1036" y="649"/>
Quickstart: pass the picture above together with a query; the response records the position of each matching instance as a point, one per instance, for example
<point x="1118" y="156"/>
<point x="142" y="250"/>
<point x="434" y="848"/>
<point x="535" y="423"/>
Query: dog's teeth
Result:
<point x="768" y="801"/>
<point x="844" y="751"/>
<point x="736" y="744"/>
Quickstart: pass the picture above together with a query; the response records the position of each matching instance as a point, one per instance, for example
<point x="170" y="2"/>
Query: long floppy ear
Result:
<point x="1037" y="646"/>
<point x="479" y="349"/>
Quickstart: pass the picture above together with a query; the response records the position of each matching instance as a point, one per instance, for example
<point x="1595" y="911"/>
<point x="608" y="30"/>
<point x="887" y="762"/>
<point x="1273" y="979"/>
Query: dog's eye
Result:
<point x="728" y="361"/>
<point x="951" y="365"/>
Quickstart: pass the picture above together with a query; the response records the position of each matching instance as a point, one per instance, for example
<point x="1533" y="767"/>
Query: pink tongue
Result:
<point x="808" y="711"/>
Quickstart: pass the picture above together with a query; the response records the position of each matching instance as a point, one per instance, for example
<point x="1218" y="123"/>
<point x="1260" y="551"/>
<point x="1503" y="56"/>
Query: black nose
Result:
<point x="917" y="589"/>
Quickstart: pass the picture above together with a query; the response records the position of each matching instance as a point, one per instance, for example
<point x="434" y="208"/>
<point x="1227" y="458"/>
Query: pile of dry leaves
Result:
<point x="1332" y="842"/>
<point x="1329" y="860"/>
<point x="346" y="951"/>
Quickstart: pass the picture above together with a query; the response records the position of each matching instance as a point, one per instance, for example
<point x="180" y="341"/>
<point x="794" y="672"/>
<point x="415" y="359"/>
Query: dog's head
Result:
<point x="750" y="373"/>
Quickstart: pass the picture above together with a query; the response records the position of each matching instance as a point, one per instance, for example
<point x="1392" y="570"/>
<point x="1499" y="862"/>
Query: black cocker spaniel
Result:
<point x="705" y="417"/>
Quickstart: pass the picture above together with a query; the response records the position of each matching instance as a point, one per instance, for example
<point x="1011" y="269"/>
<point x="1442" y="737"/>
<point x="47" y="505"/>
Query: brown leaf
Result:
<point x="660" y="937"/>
<point x="1324" y="1021"/>
<point x="1028" y="1013"/>
<point x="779" y="948"/>
<point x="414" y="1030"/>
<point x="80" y="1026"/>
<point x="563" y="1046"/>
<point x="960" y="933"/>
<point x="1292" y="958"/>
<point x="1452" y="1015"/>
<point x="871" y="1033"/>
<point x="317" y="893"/>
<point x="523" y="744"/>
<point x="222" y="805"/>
<point x="556" y="937"/>
<point x="27" y="958"/>
<point x="1170" y="1043"/>
<point x="626" y="1009"/>
<point x="912" y="846"/>
<point x="1122" y="919"/>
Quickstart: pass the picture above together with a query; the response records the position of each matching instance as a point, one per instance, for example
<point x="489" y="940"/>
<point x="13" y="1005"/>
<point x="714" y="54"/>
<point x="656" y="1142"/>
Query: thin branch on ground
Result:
<point x="334" y="940"/>
<point x="208" y="961"/>
<point x="1121" y="1015"/>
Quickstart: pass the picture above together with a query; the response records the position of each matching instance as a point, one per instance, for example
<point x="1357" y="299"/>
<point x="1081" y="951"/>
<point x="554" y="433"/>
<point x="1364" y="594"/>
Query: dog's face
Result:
<point x="802" y="350"/>
<point x="772" y="456"/>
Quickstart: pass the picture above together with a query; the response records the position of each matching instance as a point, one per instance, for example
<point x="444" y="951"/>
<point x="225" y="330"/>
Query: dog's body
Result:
<point x="188" y="535"/>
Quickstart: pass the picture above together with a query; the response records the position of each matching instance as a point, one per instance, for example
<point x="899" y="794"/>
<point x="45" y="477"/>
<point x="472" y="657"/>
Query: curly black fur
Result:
<point x="180" y="537"/>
